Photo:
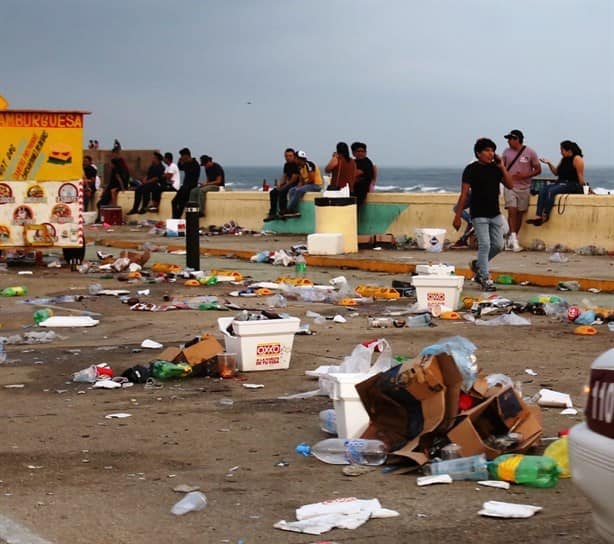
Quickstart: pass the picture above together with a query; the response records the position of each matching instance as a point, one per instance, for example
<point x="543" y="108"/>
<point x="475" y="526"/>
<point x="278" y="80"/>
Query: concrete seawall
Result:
<point x="577" y="220"/>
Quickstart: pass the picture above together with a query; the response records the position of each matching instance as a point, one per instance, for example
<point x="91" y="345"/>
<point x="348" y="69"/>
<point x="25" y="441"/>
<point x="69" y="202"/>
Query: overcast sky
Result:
<point x="241" y="80"/>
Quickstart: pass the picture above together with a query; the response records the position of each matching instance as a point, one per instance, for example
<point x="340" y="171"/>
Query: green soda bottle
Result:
<point x="41" y="315"/>
<point x="17" y="291"/>
<point x="300" y="266"/>
<point x="165" y="370"/>
<point x="530" y="470"/>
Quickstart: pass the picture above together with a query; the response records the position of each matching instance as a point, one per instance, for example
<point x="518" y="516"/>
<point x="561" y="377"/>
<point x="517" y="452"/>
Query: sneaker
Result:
<point x="473" y="266"/>
<point x="292" y="214"/>
<point x="152" y="209"/>
<point x="270" y="217"/>
<point x="487" y="285"/>
<point x="516" y="247"/>
<point x="507" y="244"/>
<point x="142" y="211"/>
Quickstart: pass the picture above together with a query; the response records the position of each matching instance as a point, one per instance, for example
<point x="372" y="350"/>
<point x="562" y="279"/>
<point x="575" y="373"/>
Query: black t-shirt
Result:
<point x="290" y="168"/>
<point x="89" y="172"/>
<point x="484" y="180"/>
<point x="366" y="166"/>
<point x="156" y="171"/>
<point x="191" y="172"/>
<point x="215" y="171"/>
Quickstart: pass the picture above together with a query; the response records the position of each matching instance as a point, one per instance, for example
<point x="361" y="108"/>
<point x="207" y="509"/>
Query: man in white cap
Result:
<point x="523" y="164"/>
<point x="309" y="181"/>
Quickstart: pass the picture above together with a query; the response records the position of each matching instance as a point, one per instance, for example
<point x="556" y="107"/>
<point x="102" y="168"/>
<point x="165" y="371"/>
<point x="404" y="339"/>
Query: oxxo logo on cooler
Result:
<point x="436" y="297"/>
<point x="268" y="353"/>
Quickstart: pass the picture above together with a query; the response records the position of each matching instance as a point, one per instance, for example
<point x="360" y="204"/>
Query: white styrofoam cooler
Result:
<point x="260" y="345"/>
<point x="435" y="269"/>
<point x="352" y="418"/>
<point x="325" y="243"/>
<point x="440" y="291"/>
<point x="426" y="238"/>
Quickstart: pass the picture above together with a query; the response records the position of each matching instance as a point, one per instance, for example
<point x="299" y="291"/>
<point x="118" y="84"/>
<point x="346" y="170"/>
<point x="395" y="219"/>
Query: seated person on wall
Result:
<point x="150" y="188"/>
<point x="191" y="174"/>
<point x="310" y="181"/>
<point x="570" y="174"/>
<point x="118" y="182"/>
<point x="171" y="181"/>
<point x="215" y="180"/>
<point x="278" y="196"/>
<point x="366" y="173"/>
<point x="342" y="168"/>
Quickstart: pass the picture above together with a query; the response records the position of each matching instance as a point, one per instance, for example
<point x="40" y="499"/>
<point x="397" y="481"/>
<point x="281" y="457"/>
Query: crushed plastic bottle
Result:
<point x="277" y="301"/>
<point x="328" y="421"/>
<point x="421" y="320"/>
<point x="41" y="315"/>
<point x="3" y="355"/>
<point x="94" y="288"/>
<point x="342" y="451"/>
<point x="16" y="291"/>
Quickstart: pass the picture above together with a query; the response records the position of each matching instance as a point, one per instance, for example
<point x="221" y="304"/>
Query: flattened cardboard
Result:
<point x="505" y="411"/>
<point x="200" y="352"/>
<point x="169" y="354"/>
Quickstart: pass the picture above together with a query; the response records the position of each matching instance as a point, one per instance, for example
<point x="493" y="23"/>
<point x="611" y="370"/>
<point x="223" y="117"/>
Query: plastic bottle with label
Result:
<point x="342" y="451"/>
<point x="463" y="468"/>
<point x="3" y="355"/>
<point x="41" y="315"/>
<point x="421" y="320"/>
<point x="300" y="266"/>
<point x="16" y="291"/>
<point x="530" y="470"/>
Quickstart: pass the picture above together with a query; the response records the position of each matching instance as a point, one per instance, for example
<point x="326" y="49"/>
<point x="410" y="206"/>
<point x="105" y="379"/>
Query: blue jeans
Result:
<point x="489" y="232"/>
<point x="296" y="193"/>
<point x="545" y="201"/>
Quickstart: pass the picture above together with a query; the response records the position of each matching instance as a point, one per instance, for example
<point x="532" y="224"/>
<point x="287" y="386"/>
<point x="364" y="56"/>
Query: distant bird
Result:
<point x="248" y="102"/>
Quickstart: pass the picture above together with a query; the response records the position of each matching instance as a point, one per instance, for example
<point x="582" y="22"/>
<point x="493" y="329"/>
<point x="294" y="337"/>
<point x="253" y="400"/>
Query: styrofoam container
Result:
<point x="426" y="238"/>
<point x="432" y="291"/>
<point x="326" y="243"/>
<point x="260" y="345"/>
<point x="175" y="227"/>
<point x="352" y="418"/>
<point x="89" y="218"/>
<point x="435" y="269"/>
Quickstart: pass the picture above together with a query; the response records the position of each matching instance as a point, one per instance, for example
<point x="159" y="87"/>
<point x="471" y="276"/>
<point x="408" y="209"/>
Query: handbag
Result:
<point x="537" y="185"/>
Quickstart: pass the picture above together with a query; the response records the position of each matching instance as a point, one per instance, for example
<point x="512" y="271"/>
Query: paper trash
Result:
<point x="430" y="480"/>
<point x="548" y="397"/>
<point x="342" y="513"/>
<point x="69" y="321"/>
<point x="498" y="509"/>
<point x="151" y="344"/>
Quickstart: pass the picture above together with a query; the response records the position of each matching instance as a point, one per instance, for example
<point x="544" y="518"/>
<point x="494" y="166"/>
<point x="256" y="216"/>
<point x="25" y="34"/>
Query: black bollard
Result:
<point x="192" y="240"/>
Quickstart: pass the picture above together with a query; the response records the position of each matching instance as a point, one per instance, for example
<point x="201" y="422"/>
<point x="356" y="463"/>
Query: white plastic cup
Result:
<point x="586" y="189"/>
<point x="192" y="502"/>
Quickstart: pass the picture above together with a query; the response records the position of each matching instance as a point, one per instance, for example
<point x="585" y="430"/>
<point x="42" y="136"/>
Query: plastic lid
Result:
<point x="304" y="449"/>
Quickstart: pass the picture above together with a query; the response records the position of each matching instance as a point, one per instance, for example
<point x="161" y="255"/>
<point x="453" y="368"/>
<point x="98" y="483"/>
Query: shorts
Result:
<point x="517" y="198"/>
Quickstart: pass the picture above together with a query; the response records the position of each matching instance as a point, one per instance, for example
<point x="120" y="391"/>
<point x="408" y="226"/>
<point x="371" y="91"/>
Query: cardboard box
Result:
<point x="169" y="354"/>
<point x="198" y="353"/>
<point x="412" y="404"/>
<point x="500" y="414"/>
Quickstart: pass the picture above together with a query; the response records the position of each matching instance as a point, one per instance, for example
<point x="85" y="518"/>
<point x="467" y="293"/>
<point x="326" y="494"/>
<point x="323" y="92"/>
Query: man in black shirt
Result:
<point x="152" y="185"/>
<point x="482" y="178"/>
<point x="215" y="180"/>
<point x="89" y="181"/>
<point x="278" y="196"/>
<point x="366" y="172"/>
<point x="191" y="171"/>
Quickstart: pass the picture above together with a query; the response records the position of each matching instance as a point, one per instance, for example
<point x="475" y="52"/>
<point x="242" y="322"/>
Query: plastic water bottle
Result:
<point x="421" y="320"/>
<point x="328" y="421"/>
<point x="463" y="468"/>
<point x="3" y="354"/>
<point x="342" y="451"/>
<point x="300" y="266"/>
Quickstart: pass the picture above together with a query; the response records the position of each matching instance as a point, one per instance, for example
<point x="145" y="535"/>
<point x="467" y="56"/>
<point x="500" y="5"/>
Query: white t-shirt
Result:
<point x="175" y="178"/>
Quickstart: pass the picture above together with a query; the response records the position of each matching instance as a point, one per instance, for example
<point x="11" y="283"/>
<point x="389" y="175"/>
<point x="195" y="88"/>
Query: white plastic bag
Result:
<point x="360" y="360"/>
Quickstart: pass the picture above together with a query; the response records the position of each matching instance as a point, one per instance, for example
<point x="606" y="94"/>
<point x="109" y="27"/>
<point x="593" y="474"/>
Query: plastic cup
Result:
<point x="586" y="189"/>
<point x="227" y="365"/>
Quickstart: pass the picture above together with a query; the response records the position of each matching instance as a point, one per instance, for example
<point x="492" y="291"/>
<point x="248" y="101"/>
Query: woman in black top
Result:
<point x="570" y="173"/>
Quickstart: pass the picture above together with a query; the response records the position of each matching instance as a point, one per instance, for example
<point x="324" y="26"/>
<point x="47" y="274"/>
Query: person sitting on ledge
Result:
<point x="310" y="181"/>
<point x="570" y="173"/>
<point x="215" y="180"/>
<point x="151" y="187"/>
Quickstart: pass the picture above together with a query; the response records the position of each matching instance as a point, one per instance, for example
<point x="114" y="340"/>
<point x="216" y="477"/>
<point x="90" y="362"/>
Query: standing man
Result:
<point x="151" y="187"/>
<point x="90" y="172"/>
<point x="215" y="179"/>
<point x="366" y="172"/>
<point x="278" y="196"/>
<point x="310" y="181"/>
<point x="483" y="178"/>
<point x="191" y="173"/>
<point x="523" y="164"/>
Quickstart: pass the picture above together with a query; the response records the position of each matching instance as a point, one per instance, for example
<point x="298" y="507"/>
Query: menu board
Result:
<point x="41" y="145"/>
<point x="41" y="213"/>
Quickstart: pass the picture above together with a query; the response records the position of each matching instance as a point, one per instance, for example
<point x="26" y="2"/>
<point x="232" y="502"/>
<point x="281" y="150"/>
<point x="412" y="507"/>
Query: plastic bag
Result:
<point x="559" y="451"/>
<point x="505" y="319"/>
<point x="359" y="361"/>
<point x="461" y="351"/>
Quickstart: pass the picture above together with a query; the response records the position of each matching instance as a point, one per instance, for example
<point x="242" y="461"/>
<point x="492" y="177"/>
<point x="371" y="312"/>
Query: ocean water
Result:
<point x="399" y="180"/>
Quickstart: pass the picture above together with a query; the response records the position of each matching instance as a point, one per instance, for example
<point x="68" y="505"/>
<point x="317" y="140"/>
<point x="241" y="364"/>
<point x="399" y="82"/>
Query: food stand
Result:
<point x="41" y="188"/>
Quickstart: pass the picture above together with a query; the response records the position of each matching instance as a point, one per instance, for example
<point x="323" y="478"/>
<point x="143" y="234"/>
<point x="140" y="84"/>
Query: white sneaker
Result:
<point x="513" y="243"/>
<point x="507" y="244"/>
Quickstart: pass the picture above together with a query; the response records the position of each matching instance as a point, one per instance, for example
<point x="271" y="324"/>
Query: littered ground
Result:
<point x="71" y="476"/>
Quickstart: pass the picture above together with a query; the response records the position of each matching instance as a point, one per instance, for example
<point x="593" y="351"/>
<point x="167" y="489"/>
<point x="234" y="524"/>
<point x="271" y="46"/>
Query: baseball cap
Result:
<point x="514" y="134"/>
<point x="301" y="154"/>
